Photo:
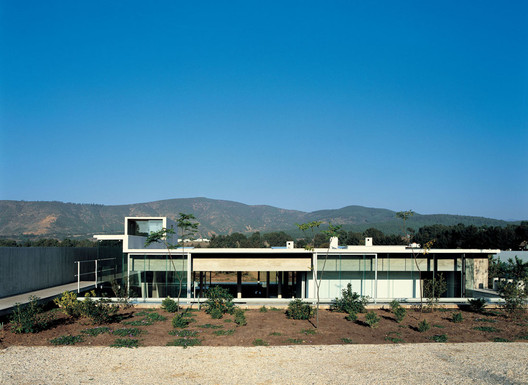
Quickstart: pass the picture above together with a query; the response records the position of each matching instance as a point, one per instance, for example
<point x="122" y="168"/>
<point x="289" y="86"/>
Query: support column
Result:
<point x="267" y="284"/>
<point x="303" y="284"/>
<point x="200" y="295"/>
<point x="375" y="277"/>
<point x="279" y="284"/>
<point x="189" y="275"/>
<point x="239" y="284"/>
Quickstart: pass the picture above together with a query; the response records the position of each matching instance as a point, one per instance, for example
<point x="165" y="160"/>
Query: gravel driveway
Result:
<point x="475" y="363"/>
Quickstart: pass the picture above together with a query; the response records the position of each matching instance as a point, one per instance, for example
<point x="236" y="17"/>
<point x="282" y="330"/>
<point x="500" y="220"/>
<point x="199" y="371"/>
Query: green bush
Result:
<point x="399" y="313"/>
<point x="439" y="338"/>
<point x="185" y="342"/>
<point x="169" y="305"/>
<point x="127" y="332"/>
<point x="183" y="333"/>
<point x="477" y="305"/>
<point x="457" y="317"/>
<point x="100" y="311"/>
<point x="514" y="295"/>
<point x="394" y="305"/>
<point x="299" y="310"/>
<point x="372" y="319"/>
<point x="66" y="340"/>
<point x="260" y="342"/>
<point x="263" y="309"/>
<point x="351" y="317"/>
<point x="240" y="317"/>
<point x="350" y="302"/>
<point x="180" y="321"/>
<point x="69" y="304"/>
<point x="423" y="326"/>
<point x="219" y="302"/>
<point x="28" y="318"/>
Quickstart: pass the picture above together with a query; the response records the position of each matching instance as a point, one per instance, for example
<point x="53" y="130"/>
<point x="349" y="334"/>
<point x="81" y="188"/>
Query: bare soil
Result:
<point x="274" y="328"/>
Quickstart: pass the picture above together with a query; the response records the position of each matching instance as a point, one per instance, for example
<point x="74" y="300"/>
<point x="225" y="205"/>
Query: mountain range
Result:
<point x="51" y="219"/>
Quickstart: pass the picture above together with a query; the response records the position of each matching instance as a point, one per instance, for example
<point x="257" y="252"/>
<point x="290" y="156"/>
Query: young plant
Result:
<point x="372" y="319"/>
<point x="188" y="227"/>
<point x="28" y="318"/>
<point x="433" y="290"/>
<point x="169" y="305"/>
<point x="180" y="321"/>
<point x="477" y="305"/>
<point x="66" y="340"/>
<point x="439" y="338"/>
<point x="423" y="326"/>
<point x="299" y="310"/>
<point x="457" y="317"/>
<point x="399" y="313"/>
<point x="240" y="317"/>
<point x="125" y="343"/>
<point x="219" y="302"/>
<point x="350" y="302"/>
<point x="100" y="311"/>
<point x="260" y="342"/>
<point x="185" y="342"/>
<point x="331" y="232"/>
<point x="69" y="304"/>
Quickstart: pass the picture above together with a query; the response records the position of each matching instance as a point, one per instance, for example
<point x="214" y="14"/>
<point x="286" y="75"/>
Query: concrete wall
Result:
<point x="24" y="269"/>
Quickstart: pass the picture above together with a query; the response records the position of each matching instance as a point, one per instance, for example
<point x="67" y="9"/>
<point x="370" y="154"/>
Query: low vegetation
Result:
<point x="299" y="310"/>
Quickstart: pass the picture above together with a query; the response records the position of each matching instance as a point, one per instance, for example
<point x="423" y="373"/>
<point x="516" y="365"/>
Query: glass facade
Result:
<point x="158" y="276"/>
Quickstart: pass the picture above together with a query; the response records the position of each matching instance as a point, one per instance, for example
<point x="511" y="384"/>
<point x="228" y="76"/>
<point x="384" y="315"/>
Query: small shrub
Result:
<point x="227" y="320"/>
<point x="69" y="304"/>
<point x="155" y="317"/>
<point x="275" y="334"/>
<point x="350" y="302"/>
<point x="433" y="289"/>
<point x="185" y="342"/>
<point x="260" y="342"/>
<point x="457" y="317"/>
<point x="94" y="332"/>
<point x="299" y="310"/>
<point x="351" y="317"/>
<point x="399" y="314"/>
<point x="372" y="319"/>
<point x="439" y="326"/>
<point x="487" y="320"/>
<point x="183" y="333"/>
<point x="396" y="340"/>
<point x="263" y="309"/>
<point x="308" y="332"/>
<point x="125" y="343"/>
<point x="522" y="337"/>
<point x="240" y="317"/>
<point x="423" y="326"/>
<point x="294" y="341"/>
<point x="66" y="340"/>
<point x="490" y="329"/>
<point x="170" y="305"/>
<point x="499" y="339"/>
<point x="221" y="332"/>
<point x="128" y="332"/>
<point x="219" y="302"/>
<point x="100" y="312"/>
<point x="347" y="340"/>
<point x="477" y="305"/>
<point x="180" y="321"/>
<point x="28" y="318"/>
<point x="514" y="295"/>
<point x="439" y="338"/>
<point x="394" y="305"/>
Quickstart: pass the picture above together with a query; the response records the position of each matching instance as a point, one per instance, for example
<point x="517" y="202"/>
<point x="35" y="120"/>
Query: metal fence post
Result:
<point x="78" y="277"/>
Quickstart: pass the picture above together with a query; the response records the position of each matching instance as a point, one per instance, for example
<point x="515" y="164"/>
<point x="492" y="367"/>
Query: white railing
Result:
<point x="96" y="270"/>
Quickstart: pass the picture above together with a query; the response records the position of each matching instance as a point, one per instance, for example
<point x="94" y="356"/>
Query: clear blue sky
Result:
<point x="301" y="105"/>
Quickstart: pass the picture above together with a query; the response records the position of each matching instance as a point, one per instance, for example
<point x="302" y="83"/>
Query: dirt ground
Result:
<point x="272" y="327"/>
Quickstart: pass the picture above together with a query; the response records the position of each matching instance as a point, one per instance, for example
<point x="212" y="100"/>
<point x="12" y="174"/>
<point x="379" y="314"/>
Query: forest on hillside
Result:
<point x="514" y="237"/>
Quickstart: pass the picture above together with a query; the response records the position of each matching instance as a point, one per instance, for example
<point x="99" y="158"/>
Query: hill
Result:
<point x="21" y="219"/>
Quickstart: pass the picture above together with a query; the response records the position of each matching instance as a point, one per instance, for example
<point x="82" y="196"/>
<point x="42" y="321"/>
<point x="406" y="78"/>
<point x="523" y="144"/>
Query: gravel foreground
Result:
<point x="475" y="363"/>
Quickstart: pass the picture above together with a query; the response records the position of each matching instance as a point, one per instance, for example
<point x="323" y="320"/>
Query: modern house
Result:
<point x="380" y="272"/>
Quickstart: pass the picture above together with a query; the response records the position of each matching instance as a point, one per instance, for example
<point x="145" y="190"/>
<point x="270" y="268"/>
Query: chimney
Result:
<point x="334" y="243"/>
<point x="368" y="241"/>
<point x="289" y="244"/>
